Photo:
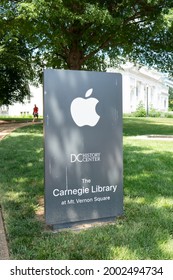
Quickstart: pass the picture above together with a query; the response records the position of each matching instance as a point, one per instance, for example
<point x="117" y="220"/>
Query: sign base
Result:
<point x="83" y="225"/>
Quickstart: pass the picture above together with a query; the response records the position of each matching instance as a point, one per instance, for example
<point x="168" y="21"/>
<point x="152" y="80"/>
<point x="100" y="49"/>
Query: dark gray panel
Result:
<point x="83" y="147"/>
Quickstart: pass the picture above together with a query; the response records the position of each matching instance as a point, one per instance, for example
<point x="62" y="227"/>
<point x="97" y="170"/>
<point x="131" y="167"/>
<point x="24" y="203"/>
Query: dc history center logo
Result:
<point x="85" y="157"/>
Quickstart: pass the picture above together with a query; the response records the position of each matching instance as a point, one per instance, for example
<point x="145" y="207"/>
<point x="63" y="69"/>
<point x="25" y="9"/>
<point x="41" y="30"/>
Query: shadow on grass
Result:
<point x="131" y="238"/>
<point x="142" y="126"/>
<point x="143" y="234"/>
<point x="145" y="231"/>
<point x="148" y="172"/>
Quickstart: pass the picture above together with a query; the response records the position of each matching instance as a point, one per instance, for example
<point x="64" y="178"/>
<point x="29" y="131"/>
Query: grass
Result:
<point x="141" y="126"/>
<point x="18" y="119"/>
<point x="144" y="232"/>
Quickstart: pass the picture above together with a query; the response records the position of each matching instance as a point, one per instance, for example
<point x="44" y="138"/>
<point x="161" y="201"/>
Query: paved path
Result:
<point x="5" y="129"/>
<point x="4" y="252"/>
<point x="8" y="127"/>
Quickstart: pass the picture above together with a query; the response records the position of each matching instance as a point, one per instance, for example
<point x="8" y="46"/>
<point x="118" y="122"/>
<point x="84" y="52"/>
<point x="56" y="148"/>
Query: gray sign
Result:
<point x="83" y="146"/>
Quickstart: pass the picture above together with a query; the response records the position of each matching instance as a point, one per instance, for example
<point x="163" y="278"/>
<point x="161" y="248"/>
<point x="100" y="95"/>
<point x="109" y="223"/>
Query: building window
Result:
<point x="165" y="103"/>
<point x="137" y="91"/>
<point x="27" y="99"/>
<point x="4" y="110"/>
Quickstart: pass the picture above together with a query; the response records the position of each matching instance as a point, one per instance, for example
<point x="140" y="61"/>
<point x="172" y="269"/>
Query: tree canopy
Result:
<point x="15" y="61"/>
<point x="15" y="72"/>
<point x="87" y="34"/>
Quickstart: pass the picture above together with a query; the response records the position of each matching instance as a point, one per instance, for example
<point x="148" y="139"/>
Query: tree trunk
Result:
<point x="75" y="58"/>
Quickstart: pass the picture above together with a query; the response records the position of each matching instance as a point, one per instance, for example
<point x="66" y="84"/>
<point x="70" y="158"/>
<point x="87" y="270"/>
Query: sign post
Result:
<point x="83" y="147"/>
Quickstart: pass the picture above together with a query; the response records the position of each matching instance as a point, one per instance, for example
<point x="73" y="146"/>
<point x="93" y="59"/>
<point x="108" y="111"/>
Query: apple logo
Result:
<point x="83" y="110"/>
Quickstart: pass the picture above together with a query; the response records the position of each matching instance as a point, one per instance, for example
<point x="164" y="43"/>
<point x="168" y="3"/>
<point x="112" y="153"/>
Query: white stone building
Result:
<point x="139" y="85"/>
<point x="26" y="108"/>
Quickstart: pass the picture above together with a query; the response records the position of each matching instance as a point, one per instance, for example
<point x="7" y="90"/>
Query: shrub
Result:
<point x="153" y="112"/>
<point x="168" y="115"/>
<point x="140" y="110"/>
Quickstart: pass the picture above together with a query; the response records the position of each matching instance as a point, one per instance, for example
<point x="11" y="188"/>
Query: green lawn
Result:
<point x="144" y="232"/>
<point x="18" y="119"/>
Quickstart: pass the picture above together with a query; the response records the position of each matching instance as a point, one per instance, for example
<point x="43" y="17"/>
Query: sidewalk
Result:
<point x="4" y="253"/>
<point x="5" y="129"/>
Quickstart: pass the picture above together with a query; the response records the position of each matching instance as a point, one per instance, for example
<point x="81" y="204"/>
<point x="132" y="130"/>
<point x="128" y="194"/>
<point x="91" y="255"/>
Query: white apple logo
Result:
<point x="83" y="110"/>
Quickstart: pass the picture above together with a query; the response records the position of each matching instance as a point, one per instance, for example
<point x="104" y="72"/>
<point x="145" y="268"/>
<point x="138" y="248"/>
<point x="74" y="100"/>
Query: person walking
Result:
<point x="35" y="112"/>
